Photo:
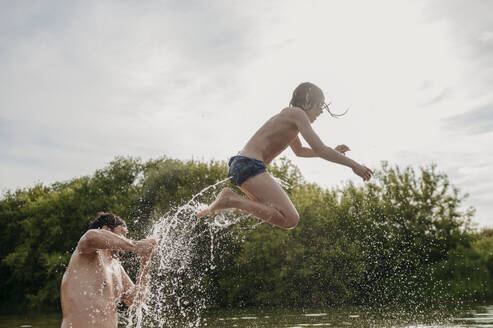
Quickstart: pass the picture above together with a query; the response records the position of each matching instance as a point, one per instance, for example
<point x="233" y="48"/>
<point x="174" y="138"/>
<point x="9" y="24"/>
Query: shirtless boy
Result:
<point x="95" y="281"/>
<point x="266" y="199"/>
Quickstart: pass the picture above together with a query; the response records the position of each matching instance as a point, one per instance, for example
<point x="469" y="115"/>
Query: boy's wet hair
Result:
<point x="106" y="219"/>
<point x="299" y="95"/>
<point x="317" y="97"/>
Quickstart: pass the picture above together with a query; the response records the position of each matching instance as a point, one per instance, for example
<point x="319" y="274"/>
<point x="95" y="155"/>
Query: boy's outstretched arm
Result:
<point x="301" y="151"/>
<point x="325" y="152"/>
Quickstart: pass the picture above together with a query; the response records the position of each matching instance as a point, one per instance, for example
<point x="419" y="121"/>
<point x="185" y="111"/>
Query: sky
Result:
<point x="84" y="81"/>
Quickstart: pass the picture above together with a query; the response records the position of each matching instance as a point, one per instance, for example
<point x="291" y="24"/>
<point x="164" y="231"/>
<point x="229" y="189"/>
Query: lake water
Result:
<point x="466" y="316"/>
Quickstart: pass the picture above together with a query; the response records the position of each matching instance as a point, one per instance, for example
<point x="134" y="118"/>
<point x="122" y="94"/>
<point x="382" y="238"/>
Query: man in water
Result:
<point x="95" y="281"/>
<point x="266" y="199"/>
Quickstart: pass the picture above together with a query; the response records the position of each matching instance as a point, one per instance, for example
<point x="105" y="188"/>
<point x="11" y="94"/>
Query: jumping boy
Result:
<point x="267" y="200"/>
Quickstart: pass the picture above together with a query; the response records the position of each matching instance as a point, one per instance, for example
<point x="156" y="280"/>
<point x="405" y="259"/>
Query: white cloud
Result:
<point x="82" y="82"/>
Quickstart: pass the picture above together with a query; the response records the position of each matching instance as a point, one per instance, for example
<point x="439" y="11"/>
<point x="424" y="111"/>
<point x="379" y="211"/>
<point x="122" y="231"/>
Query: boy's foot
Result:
<point x="222" y="202"/>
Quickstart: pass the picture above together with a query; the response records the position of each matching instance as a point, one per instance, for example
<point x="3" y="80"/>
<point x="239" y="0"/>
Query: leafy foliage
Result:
<point x="400" y="239"/>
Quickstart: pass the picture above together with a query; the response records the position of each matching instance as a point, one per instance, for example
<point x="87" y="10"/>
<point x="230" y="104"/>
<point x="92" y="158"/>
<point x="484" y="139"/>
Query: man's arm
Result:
<point x="134" y="294"/>
<point x="95" y="239"/>
<point x="322" y="151"/>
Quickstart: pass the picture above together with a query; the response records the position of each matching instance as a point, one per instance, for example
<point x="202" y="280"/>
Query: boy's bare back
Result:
<point x="274" y="136"/>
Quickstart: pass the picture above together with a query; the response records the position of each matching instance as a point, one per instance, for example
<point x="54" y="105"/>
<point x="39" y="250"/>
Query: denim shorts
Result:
<point x="242" y="168"/>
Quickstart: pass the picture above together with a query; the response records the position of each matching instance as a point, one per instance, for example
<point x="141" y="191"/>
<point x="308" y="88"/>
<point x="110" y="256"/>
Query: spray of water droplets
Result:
<point x="176" y="295"/>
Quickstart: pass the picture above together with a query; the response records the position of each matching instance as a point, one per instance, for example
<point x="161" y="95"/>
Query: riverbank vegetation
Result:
<point x="403" y="238"/>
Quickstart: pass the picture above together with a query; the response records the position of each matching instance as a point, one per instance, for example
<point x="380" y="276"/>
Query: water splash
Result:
<point x="176" y="294"/>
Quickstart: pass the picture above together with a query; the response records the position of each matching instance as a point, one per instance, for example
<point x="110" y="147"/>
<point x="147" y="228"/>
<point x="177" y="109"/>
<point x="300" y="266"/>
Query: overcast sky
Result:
<point x="84" y="81"/>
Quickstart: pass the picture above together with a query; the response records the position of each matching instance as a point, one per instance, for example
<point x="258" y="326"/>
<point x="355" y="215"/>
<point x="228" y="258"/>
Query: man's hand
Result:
<point x="342" y="149"/>
<point x="145" y="247"/>
<point x="364" y="172"/>
<point x="135" y="295"/>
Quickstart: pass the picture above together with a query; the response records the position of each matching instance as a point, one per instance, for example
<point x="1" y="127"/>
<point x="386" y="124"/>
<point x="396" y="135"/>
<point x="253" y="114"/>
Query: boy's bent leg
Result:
<point x="264" y="190"/>
<point x="268" y="202"/>
<point x="224" y="200"/>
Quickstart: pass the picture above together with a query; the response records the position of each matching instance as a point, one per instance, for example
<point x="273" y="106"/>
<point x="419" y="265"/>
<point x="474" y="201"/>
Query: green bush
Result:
<point x="401" y="239"/>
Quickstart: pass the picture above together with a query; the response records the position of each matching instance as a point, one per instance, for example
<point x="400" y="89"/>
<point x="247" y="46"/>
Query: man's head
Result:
<point x="109" y="221"/>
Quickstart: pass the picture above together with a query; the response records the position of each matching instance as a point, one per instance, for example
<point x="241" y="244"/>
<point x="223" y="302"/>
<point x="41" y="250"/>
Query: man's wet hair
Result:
<point x="106" y="219"/>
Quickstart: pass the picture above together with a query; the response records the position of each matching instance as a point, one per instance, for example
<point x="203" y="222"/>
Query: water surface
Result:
<point x="466" y="316"/>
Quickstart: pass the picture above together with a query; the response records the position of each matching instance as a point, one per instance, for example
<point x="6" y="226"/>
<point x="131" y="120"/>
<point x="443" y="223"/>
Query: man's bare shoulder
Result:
<point x="78" y="257"/>
<point x="85" y="241"/>
<point x="81" y="252"/>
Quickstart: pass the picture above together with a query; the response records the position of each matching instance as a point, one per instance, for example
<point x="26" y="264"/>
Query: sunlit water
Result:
<point x="466" y="316"/>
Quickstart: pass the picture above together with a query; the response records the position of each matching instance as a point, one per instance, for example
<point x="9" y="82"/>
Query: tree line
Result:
<point x="403" y="238"/>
